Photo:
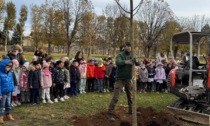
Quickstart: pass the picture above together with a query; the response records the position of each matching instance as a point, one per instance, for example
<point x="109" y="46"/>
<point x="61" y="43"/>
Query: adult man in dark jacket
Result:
<point x="124" y="62"/>
<point x="16" y="53"/>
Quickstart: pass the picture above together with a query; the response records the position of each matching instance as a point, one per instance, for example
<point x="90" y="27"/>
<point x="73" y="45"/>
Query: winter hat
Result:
<point x="100" y="60"/>
<point x="128" y="44"/>
<point x="35" y="63"/>
<point x="95" y="60"/>
<point x="15" y="62"/>
<point x="83" y="61"/>
<point x="143" y="66"/>
<point x="160" y="64"/>
<point x="26" y="65"/>
<point x="45" y="64"/>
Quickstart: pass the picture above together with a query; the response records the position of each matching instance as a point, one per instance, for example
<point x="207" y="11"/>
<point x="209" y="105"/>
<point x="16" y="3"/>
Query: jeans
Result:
<point x="34" y="95"/>
<point x="82" y="85"/>
<point x="100" y="84"/>
<point x="5" y="102"/>
<point x="74" y="89"/>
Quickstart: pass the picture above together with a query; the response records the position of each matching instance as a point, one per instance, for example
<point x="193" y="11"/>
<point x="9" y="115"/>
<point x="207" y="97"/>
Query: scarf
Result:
<point x="100" y="65"/>
<point x="47" y="72"/>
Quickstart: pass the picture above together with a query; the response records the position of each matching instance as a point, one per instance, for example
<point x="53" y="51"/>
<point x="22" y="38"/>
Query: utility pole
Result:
<point x="132" y="13"/>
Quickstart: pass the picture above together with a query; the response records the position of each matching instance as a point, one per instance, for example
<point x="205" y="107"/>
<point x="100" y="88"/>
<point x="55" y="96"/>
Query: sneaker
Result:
<point x="61" y="99"/>
<point x="84" y="92"/>
<point x="56" y="100"/>
<point x="18" y="103"/>
<point x="13" y="104"/>
<point x="66" y="97"/>
<point x="51" y="102"/>
<point x="44" y="101"/>
<point x="107" y="90"/>
<point x="104" y="90"/>
<point x="166" y="91"/>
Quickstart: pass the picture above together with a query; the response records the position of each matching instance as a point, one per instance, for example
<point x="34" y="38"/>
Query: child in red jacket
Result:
<point x="90" y="75"/>
<point x="99" y="75"/>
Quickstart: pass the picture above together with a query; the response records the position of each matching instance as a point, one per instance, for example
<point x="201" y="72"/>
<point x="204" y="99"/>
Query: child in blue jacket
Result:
<point x="6" y="88"/>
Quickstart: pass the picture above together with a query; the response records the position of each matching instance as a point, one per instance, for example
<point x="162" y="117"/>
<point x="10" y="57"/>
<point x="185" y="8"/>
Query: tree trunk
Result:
<point x="21" y="41"/>
<point x="89" y="51"/>
<point x="114" y="52"/>
<point x="175" y="51"/>
<point x="148" y="51"/>
<point x="5" y="44"/>
<point x="49" y="47"/>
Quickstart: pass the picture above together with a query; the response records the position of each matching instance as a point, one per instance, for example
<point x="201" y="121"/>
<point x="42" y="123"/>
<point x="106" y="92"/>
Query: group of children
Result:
<point x="153" y="76"/>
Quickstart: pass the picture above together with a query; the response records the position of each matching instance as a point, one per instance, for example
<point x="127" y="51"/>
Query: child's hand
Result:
<point x="0" y="97"/>
<point x="31" y="87"/>
<point x="13" y="94"/>
<point x="53" y="84"/>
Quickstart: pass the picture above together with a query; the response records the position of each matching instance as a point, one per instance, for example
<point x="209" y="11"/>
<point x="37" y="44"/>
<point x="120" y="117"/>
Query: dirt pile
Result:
<point x="149" y="117"/>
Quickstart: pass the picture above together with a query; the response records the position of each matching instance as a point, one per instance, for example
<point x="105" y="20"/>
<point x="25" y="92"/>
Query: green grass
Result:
<point x="59" y="114"/>
<point x="29" y="55"/>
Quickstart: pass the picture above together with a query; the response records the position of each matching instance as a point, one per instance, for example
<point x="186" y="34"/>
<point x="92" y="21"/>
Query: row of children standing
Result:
<point x="151" y="77"/>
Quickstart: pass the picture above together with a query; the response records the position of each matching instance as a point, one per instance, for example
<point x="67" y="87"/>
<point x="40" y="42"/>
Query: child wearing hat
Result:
<point x="83" y="72"/>
<point x="46" y="82"/>
<point x="143" y="77"/>
<point x="75" y="78"/>
<point x="6" y="89"/>
<point x="34" y="82"/>
<point x="151" y="74"/>
<point x="99" y="75"/>
<point x="90" y="75"/>
<point x="24" y="83"/>
<point x="160" y="76"/>
<point x="16" y="70"/>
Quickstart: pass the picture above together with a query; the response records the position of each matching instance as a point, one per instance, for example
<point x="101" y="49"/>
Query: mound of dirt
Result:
<point x="148" y="117"/>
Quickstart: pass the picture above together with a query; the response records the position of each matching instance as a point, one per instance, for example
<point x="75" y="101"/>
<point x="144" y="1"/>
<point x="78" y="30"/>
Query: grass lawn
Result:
<point x="29" y="55"/>
<point x="59" y="114"/>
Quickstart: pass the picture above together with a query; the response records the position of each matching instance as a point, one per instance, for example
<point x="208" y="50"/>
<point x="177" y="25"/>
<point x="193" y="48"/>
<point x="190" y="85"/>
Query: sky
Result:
<point x="181" y="8"/>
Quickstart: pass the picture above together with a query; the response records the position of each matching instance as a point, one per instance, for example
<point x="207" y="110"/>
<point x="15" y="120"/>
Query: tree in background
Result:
<point x="171" y="27"/>
<point x="16" y="37"/>
<point x="36" y="19"/>
<point x="154" y="15"/>
<point x="22" y="20"/>
<point x="73" y="11"/>
<point x="10" y="20"/>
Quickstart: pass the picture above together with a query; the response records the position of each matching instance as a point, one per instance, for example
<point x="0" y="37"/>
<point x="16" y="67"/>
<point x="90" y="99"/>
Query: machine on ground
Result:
<point x="191" y="80"/>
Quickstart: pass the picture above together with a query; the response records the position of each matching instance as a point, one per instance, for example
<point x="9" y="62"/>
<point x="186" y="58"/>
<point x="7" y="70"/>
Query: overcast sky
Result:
<point x="180" y="8"/>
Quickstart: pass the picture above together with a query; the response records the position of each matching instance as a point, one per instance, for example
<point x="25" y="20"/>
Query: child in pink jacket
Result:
<point x="24" y="88"/>
<point x="46" y="82"/>
<point x="160" y="76"/>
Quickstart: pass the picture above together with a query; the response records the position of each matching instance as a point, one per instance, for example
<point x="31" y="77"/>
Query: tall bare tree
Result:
<point x="22" y="20"/>
<point x="36" y="19"/>
<point x="154" y="15"/>
<point x="132" y="12"/>
<point x="194" y="23"/>
<point x="73" y="11"/>
<point x="9" y="21"/>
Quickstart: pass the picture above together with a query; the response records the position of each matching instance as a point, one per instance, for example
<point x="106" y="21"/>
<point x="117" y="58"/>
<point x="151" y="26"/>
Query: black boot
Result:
<point x="110" y="117"/>
<point x="137" y="113"/>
